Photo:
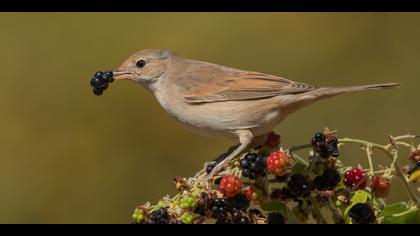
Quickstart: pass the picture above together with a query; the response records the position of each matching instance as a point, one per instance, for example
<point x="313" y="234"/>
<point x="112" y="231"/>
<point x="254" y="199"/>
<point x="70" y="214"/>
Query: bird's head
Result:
<point x="144" y="67"/>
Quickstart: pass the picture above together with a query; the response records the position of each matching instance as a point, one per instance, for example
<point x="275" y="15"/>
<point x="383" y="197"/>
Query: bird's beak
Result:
<point x="122" y="74"/>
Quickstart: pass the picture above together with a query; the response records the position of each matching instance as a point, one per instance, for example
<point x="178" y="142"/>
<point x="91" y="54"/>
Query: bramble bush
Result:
<point x="269" y="184"/>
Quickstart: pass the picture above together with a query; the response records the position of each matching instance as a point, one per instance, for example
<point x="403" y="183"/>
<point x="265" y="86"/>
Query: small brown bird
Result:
<point x="220" y="101"/>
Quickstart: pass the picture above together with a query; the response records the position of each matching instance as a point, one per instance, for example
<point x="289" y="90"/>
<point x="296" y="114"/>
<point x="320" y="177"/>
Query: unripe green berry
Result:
<point x="187" y="218"/>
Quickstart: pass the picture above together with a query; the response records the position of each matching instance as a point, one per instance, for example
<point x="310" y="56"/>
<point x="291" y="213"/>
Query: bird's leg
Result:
<point x="245" y="138"/>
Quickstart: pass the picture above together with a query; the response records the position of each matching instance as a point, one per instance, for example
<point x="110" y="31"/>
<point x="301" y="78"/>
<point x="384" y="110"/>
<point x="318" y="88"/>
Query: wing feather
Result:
<point x="240" y="86"/>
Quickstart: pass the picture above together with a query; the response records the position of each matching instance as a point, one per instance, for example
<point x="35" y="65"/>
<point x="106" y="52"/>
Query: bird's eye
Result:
<point x="141" y="63"/>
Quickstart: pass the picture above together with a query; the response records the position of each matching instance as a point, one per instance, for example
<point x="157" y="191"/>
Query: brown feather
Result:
<point x="241" y="86"/>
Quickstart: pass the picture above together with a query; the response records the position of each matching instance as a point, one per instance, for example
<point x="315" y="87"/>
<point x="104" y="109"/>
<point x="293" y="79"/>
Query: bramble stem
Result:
<point x="299" y="159"/>
<point x="317" y="210"/>
<point x="369" y="154"/>
<point x="300" y="147"/>
<point x="385" y="149"/>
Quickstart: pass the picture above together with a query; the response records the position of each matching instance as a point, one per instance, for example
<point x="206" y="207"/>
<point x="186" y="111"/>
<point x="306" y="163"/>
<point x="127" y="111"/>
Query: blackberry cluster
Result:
<point x="275" y="218"/>
<point x="220" y="207"/>
<point x="100" y="81"/>
<point x="362" y="213"/>
<point x="299" y="186"/>
<point x="253" y="166"/>
<point x="159" y="216"/>
<point x="230" y="210"/>
<point x="326" y="147"/>
<point x="328" y="180"/>
<point x="239" y="203"/>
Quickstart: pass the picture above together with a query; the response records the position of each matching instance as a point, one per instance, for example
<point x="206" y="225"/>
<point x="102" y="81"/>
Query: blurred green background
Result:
<point x="70" y="157"/>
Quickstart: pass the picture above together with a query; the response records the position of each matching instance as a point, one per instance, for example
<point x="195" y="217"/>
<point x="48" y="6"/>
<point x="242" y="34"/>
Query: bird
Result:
<point x="219" y="101"/>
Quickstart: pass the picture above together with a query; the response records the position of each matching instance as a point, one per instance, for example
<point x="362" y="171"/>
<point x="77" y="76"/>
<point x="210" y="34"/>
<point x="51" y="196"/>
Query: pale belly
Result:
<point x="222" y="119"/>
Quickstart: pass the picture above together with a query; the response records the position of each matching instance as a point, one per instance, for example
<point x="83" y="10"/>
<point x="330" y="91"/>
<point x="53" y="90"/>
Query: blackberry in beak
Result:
<point x="101" y="81"/>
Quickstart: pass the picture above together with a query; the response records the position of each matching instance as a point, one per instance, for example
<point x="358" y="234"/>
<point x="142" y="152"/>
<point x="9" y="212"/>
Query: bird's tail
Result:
<point x="315" y="95"/>
<point x="329" y="92"/>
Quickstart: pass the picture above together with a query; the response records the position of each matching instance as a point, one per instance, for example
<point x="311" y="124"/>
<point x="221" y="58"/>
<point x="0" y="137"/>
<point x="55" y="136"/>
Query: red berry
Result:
<point x="277" y="163"/>
<point x="273" y="140"/>
<point x="248" y="191"/>
<point x="381" y="186"/>
<point x="230" y="185"/>
<point x="354" y="177"/>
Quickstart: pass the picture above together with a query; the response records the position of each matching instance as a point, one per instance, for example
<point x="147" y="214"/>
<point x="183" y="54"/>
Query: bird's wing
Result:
<point x="239" y="86"/>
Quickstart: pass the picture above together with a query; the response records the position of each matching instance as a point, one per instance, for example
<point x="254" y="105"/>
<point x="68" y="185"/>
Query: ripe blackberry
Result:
<point x="325" y="146"/>
<point x="355" y="177"/>
<point x="253" y="166"/>
<point x="159" y="216"/>
<point x="100" y="81"/>
<point x="299" y="186"/>
<point x="362" y="213"/>
<point x="328" y="180"/>
<point x="239" y="203"/>
<point x="275" y="218"/>
<point x="220" y="207"/>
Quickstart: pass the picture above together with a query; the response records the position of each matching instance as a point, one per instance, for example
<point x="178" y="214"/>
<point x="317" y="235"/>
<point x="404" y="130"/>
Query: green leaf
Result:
<point x="395" y="208"/>
<point x="411" y="216"/>
<point x="360" y="196"/>
<point x="298" y="168"/>
<point x="400" y="213"/>
<point x="274" y="206"/>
